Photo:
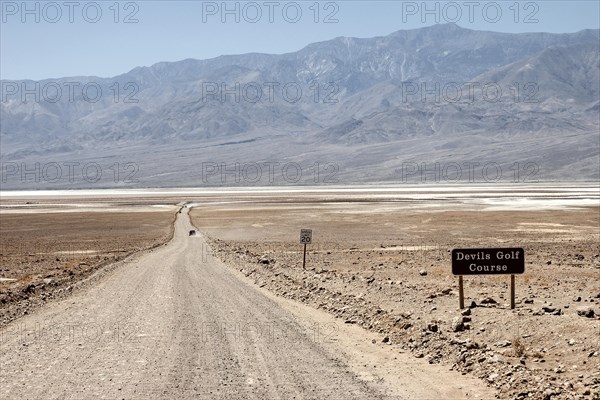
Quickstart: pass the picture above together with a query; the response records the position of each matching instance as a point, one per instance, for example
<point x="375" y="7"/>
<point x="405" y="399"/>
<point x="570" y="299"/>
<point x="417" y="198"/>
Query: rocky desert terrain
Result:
<point x="379" y="263"/>
<point x="46" y="255"/>
<point x="385" y="265"/>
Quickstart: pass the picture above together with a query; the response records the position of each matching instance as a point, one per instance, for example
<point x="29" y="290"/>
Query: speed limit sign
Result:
<point x="305" y="236"/>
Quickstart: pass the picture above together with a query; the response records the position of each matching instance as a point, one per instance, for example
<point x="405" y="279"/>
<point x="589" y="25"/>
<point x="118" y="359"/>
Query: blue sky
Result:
<point x="48" y="39"/>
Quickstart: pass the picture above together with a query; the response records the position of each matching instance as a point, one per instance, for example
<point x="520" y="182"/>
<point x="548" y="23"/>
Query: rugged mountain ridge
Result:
<point x="365" y="105"/>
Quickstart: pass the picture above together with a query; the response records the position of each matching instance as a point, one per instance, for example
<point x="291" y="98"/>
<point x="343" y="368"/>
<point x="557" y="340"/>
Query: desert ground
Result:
<point x="377" y="289"/>
<point x="47" y="247"/>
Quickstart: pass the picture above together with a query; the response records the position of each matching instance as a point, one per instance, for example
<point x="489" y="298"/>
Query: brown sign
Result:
<point x="508" y="261"/>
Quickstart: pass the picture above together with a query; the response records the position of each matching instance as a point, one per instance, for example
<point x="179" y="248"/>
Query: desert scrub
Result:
<point x="518" y="347"/>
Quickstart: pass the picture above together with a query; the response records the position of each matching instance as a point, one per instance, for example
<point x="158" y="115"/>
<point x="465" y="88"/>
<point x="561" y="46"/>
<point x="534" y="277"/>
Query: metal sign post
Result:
<point x="305" y="238"/>
<point x="304" y="258"/>
<point x="506" y="261"/>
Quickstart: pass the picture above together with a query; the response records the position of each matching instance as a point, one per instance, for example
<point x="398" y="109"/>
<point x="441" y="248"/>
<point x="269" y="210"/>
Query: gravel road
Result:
<point x="175" y="323"/>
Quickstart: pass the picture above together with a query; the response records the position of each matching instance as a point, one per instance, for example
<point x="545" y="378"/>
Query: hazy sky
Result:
<point x="46" y="39"/>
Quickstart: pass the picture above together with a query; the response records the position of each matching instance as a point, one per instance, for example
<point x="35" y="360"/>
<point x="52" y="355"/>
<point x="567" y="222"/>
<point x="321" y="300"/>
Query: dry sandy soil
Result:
<point x="178" y="324"/>
<point x="43" y="254"/>
<point x="379" y="264"/>
<point x="385" y="266"/>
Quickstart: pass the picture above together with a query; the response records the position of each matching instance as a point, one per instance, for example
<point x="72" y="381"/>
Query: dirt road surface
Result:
<point x="178" y="324"/>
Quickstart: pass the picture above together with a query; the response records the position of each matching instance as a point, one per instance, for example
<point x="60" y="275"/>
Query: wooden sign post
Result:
<point x="305" y="238"/>
<point x="461" y="293"/>
<point x="512" y="292"/>
<point x="507" y="261"/>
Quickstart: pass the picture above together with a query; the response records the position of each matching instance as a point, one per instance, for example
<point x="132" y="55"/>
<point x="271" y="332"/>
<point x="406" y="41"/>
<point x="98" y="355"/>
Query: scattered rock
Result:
<point x="457" y="324"/>
<point x="29" y="289"/>
<point x="552" y="310"/>
<point x="264" y="260"/>
<point x="496" y="358"/>
<point x="422" y="272"/>
<point x="560" y="369"/>
<point x="488" y="300"/>
<point x="548" y="393"/>
<point x="585" y="311"/>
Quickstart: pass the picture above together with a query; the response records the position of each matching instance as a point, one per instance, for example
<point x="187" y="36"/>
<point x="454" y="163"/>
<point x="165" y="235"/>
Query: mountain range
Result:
<point x="436" y="104"/>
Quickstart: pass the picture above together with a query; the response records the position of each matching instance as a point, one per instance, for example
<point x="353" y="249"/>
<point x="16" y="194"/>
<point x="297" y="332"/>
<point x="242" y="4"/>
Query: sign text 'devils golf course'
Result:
<point x="507" y="261"/>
